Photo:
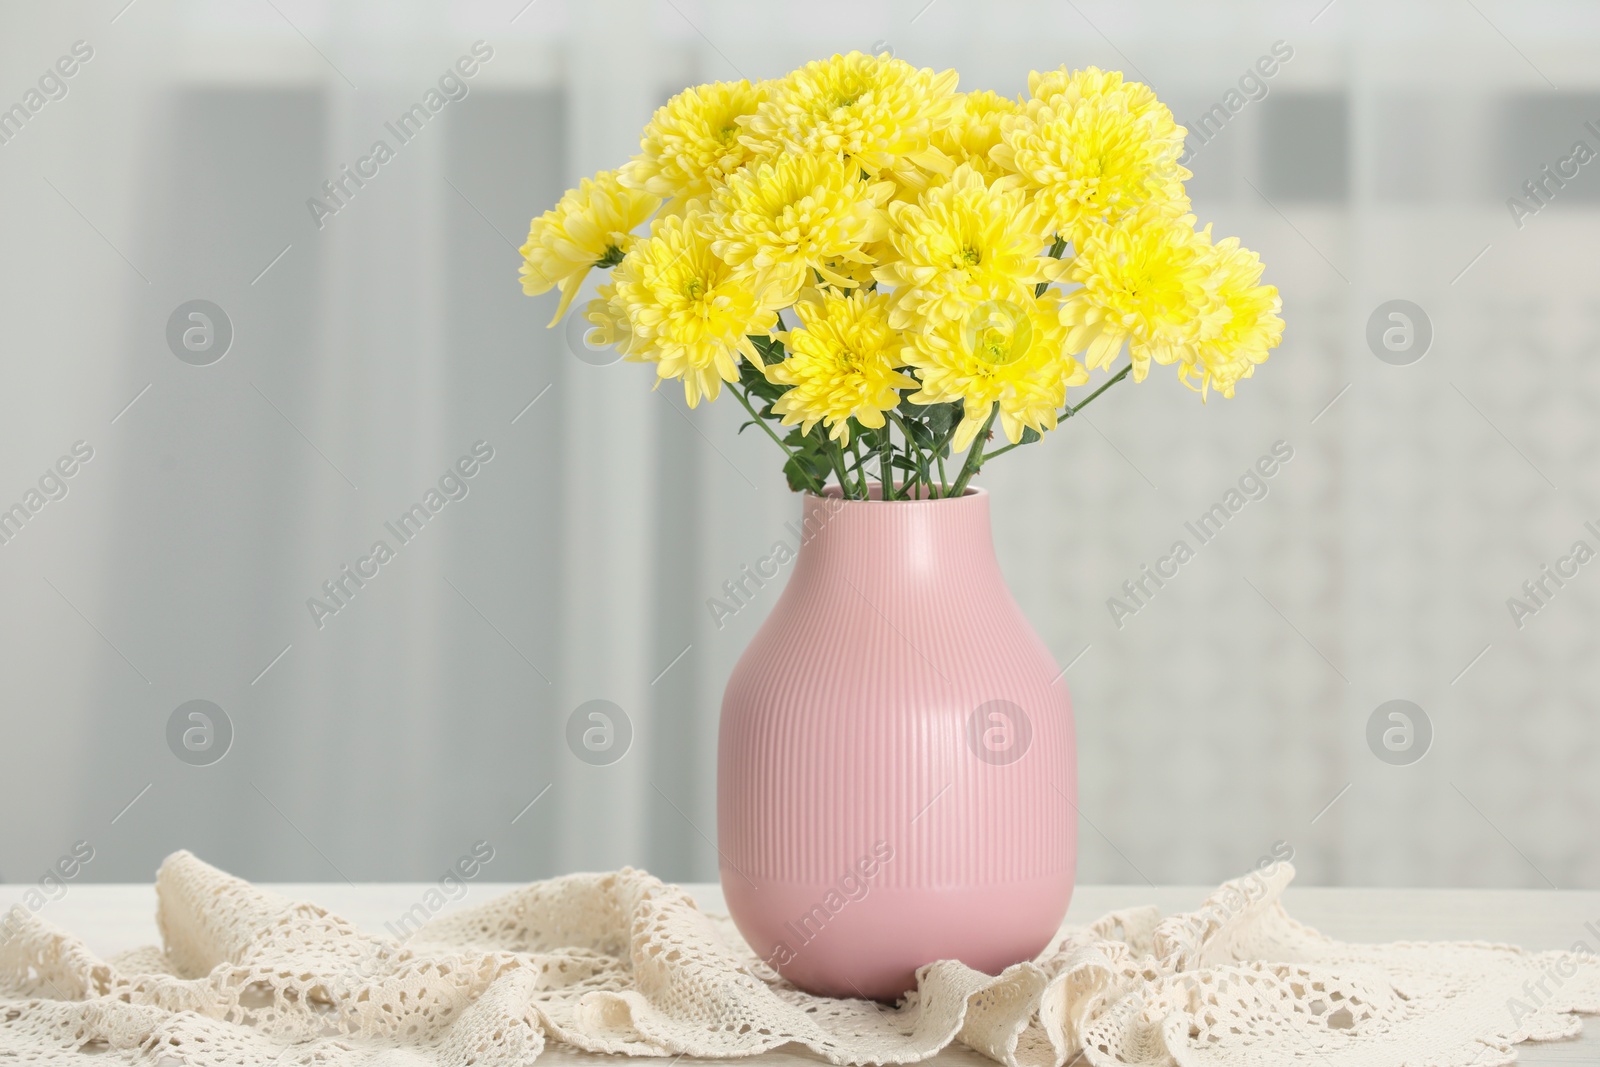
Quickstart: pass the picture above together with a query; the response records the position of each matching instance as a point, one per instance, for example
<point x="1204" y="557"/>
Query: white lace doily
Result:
<point x="623" y="963"/>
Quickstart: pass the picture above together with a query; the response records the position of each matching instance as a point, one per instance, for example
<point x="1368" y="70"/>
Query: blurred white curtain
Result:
<point x="374" y="351"/>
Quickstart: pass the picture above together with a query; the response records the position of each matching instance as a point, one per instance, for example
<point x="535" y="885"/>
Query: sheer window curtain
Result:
<point x="373" y="351"/>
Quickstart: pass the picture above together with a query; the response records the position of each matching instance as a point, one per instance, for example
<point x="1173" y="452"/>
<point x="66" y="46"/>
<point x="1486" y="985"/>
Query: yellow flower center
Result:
<point x="998" y="332"/>
<point x="694" y="288"/>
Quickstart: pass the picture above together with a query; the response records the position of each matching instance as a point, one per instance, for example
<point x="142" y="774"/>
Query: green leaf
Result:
<point x="921" y="436"/>
<point x="810" y="466"/>
<point x="750" y="375"/>
<point x="770" y="349"/>
<point x="756" y="384"/>
<point x="801" y="476"/>
<point x="1029" y="435"/>
<point x="935" y="418"/>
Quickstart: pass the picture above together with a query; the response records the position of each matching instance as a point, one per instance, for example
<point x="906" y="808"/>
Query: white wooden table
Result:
<point x="110" y="918"/>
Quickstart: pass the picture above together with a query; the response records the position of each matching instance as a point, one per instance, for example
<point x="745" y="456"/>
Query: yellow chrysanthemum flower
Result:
<point x="974" y="129"/>
<point x="591" y="226"/>
<point x="877" y="111"/>
<point x="686" y="310"/>
<point x="1050" y="86"/>
<point x="962" y="242"/>
<point x="841" y="363"/>
<point x="1244" y="325"/>
<point x="1094" y="149"/>
<point x="1142" y="283"/>
<point x="796" y="214"/>
<point x="1003" y="352"/>
<point x="692" y="142"/>
<point x="907" y="224"/>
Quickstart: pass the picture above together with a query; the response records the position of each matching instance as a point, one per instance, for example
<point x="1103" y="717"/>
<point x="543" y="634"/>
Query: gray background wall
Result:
<point x="370" y="353"/>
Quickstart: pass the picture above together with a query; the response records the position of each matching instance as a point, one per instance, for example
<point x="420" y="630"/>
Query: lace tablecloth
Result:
<point x="624" y="963"/>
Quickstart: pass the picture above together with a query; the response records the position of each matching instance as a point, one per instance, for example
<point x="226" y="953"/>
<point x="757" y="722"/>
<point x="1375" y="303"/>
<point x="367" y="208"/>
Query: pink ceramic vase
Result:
<point x="896" y="775"/>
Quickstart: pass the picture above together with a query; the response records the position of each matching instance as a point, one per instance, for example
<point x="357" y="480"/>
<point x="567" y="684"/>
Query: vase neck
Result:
<point x="883" y="543"/>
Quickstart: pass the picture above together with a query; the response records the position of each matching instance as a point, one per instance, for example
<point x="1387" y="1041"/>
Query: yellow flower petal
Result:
<point x="1093" y="149"/>
<point x="1002" y="352"/>
<point x="797" y="214"/>
<point x="693" y="141"/>
<point x="841" y="363"/>
<point x="686" y="310"/>
<point x="962" y="240"/>
<point x="591" y="225"/>
<point x="878" y="112"/>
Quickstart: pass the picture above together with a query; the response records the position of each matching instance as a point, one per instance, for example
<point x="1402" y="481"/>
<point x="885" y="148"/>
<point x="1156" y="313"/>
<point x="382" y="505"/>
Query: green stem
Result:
<point x="836" y="457"/>
<point x="861" y="472"/>
<point x="939" y="447"/>
<point x="745" y="400"/>
<point x="1003" y="451"/>
<point x="1073" y="409"/>
<point x="886" y="462"/>
<point x="974" y="454"/>
<point x="912" y="450"/>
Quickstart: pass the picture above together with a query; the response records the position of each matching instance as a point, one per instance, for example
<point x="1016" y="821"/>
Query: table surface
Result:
<point x="110" y="918"/>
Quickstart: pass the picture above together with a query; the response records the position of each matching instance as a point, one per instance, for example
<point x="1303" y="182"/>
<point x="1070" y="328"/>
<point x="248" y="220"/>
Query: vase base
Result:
<point x="870" y="946"/>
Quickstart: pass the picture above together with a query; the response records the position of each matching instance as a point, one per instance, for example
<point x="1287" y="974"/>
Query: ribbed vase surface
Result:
<point x="896" y="775"/>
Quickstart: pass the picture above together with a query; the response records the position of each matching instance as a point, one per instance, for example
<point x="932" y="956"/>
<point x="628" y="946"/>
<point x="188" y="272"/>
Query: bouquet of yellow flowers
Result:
<point x="857" y="248"/>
